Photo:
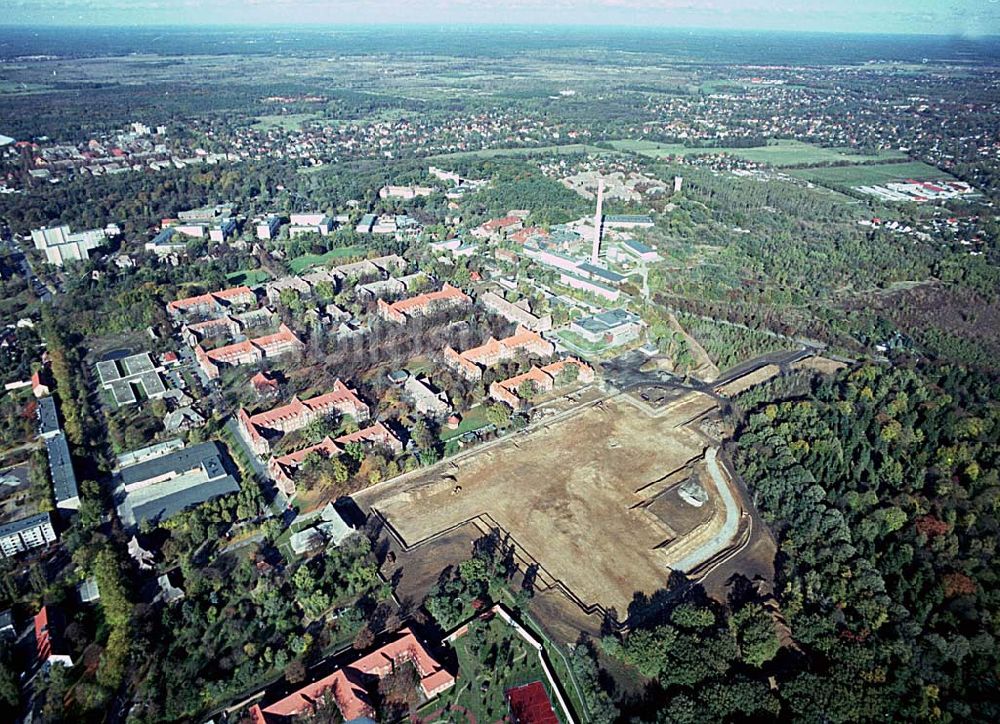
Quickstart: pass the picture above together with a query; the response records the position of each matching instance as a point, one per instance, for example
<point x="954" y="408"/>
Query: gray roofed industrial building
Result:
<point x="602" y="274"/>
<point x="162" y="486"/>
<point x="638" y="246"/>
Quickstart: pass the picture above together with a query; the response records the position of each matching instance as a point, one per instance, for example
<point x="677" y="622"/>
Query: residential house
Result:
<point x="250" y="352"/>
<point x="297" y="414"/>
<point x="542" y="379"/>
<point x="423" y="304"/>
<point x="472" y="362"/>
<point x="351" y="687"/>
<point x="517" y="312"/>
<point x="282" y="469"/>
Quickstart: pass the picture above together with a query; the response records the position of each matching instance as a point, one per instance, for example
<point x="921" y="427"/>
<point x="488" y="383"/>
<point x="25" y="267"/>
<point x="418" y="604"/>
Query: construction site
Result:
<point x="603" y="500"/>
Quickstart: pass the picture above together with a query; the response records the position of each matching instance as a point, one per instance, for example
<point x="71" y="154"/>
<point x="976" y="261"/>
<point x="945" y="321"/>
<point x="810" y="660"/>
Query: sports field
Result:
<point x="781" y="153"/>
<point x="591" y="497"/>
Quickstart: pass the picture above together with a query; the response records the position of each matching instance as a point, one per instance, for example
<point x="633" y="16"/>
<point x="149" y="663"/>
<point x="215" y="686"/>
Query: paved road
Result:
<point x="40" y="290"/>
<point x="730" y="526"/>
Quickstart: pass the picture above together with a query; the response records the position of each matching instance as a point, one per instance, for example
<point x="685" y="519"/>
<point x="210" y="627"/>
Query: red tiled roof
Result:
<point x="351" y="696"/>
<point x="43" y="642"/>
<point x="422" y="301"/>
<point x="494" y="224"/>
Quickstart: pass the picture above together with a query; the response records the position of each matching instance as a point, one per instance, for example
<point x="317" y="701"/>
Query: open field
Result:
<point x="287" y="121"/>
<point x="530" y="151"/>
<point x="590" y="497"/>
<point x="301" y="263"/>
<point x="249" y="277"/>
<point x="781" y="153"/>
<point x="871" y="174"/>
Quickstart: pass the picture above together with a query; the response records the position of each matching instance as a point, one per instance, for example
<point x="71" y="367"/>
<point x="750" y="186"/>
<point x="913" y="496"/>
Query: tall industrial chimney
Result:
<point x="598" y="223"/>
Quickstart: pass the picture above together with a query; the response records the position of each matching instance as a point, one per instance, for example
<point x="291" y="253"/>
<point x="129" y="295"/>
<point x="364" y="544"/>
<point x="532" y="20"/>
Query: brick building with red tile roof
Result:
<point x="349" y="686"/>
<point x="297" y="414"/>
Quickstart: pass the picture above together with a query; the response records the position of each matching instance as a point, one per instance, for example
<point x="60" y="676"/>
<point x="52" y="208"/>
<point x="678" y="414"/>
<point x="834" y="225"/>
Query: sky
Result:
<point x="969" y="18"/>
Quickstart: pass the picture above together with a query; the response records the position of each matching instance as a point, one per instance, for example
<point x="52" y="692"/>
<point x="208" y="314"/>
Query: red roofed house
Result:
<point x="422" y="304"/>
<point x="212" y="304"/>
<point x="250" y="352"/>
<point x="264" y="384"/>
<point x="283" y="468"/>
<point x="498" y="228"/>
<point x="544" y="379"/>
<point x="349" y="687"/>
<point x="524" y="234"/>
<point x="472" y="362"/>
<point x="530" y="704"/>
<point x="39" y="386"/>
<point x="297" y="414"/>
<point x="49" y="648"/>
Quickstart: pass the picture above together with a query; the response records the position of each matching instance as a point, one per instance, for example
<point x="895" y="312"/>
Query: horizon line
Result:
<point x="325" y="27"/>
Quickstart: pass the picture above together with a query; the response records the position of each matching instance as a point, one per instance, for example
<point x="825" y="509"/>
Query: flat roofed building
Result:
<point x="61" y="246"/>
<point x="640" y="251"/>
<point x="122" y="377"/>
<point x="628" y="221"/>
<point x="22" y="535"/>
<point x="64" y="485"/>
<point x="161" y="486"/>
<point x="268" y="228"/>
<point x="615" y="326"/>
<point x="207" y="213"/>
<point x="597" y="273"/>
<point x="598" y="289"/>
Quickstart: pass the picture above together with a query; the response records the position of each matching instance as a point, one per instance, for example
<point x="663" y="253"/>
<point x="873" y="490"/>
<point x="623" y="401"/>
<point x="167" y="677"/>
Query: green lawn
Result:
<point x="473" y="419"/>
<point x="300" y="263"/>
<point x="780" y="153"/>
<point x="871" y="174"/>
<point x="485" y="675"/>
<point x="249" y="277"/>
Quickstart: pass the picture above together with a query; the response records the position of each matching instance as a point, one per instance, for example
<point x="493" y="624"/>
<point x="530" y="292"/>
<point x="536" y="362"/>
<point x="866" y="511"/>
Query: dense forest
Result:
<point x="882" y="489"/>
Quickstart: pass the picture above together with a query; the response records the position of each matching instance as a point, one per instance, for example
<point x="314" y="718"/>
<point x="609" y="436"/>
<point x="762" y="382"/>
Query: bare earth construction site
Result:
<point x="591" y="496"/>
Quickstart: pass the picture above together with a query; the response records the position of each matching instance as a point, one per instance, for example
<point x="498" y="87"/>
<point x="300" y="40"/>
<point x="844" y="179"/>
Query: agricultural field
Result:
<point x="871" y="174"/>
<point x="783" y="153"/>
